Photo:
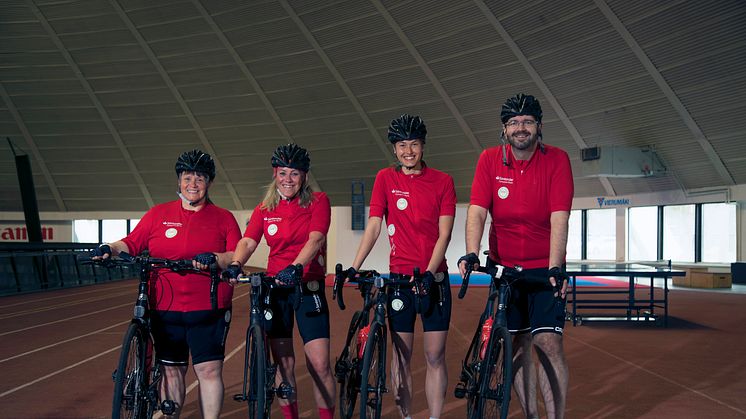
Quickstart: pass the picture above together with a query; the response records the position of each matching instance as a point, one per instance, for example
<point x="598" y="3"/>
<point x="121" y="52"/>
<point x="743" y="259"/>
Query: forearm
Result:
<point x="314" y="243"/>
<point x="224" y="259"/>
<point x="445" y="227"/>
<point x="475" y="219"/>
<point x="558" y="238"/>
<point x="244" y="249"/>
<point x="370" y="236"/>
<point x="118" y="247"/>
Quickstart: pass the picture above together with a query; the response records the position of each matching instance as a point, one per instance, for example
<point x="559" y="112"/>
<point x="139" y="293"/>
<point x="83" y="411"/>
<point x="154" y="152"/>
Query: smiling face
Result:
<point x="409" y="153"/>
<point x="193" y="187"/>
<point x="289" y="181"/>
<point x="522" y="132"/>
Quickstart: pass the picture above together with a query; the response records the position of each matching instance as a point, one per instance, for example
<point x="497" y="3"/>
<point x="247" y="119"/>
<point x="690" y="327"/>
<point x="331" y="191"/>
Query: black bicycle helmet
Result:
<point x="521" y="104"/>
<point x="196" y="161"/>
<point x="292" y="156"/>
<point x="407" y="127"/>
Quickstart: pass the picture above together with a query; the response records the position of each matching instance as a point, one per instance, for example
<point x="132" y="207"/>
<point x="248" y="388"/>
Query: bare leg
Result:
<point x="210" y="377"/>
<point x="553" y="374"/>
<point x="401" y="374"/>
<point x="284" y="355"/>
<point x="436" y="380"/>
<point x="173" y="388"/>
<point x="524" y="374"/>
<point x="317" y="360"/>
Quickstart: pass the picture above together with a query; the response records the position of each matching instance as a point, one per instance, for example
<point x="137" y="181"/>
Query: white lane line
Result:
<point x="69" y="367"/>
<point x="64" y="295"/>
<point x="664" y="378"/>
<point x="64" y="320"/>
<point x="64" y="305"/>
<point x="62" y="341"/>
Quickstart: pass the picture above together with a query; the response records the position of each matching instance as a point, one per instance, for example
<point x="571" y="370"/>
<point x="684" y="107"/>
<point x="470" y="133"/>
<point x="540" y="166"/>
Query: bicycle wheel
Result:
<point x="347" y="370"/>
<point x="470" y="375"/>
<point x="373" y="379"/>
<point x="130" y="378"/>
<point x="256" y="361"/>
<point x="496" y="377"/>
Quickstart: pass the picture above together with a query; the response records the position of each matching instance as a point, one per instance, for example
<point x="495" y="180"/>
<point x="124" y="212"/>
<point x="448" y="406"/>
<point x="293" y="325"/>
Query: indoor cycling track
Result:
<point x="59" y="348"/>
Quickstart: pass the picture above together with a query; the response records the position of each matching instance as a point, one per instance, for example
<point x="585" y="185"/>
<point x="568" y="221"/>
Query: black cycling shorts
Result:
<point x="312" y="315"/>
<point x="534" y="308"/>
<point x="402" y="312"/>
<point x="202" y="333"/>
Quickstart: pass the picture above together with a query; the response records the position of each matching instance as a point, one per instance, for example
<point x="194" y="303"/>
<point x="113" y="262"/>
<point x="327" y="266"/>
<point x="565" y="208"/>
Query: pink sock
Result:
<point x="325" y="413"/>
<point x="290" y="411"/>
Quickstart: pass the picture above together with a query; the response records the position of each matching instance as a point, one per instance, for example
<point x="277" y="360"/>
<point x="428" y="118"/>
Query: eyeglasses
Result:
<point x="527" y="123"/>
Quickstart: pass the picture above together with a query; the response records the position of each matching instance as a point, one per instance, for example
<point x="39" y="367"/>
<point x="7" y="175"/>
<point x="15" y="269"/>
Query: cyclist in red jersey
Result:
<point x="527" y="187"/>
<point x="419" y="204"/>
<point x="182" y="317"/>
<point x="294" y="221"/>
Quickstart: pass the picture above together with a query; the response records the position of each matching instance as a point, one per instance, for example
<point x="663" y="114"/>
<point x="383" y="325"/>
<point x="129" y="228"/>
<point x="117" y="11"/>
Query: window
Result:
<point x="85" y="231"/>
<point x="678" y="233"/>
<point x="602" y="234"/>
<point x="133" y="224"/>
<point x="575" y="235"/>
<point x="642" y="233"/>
<point x="719" y="233"/>
<point x="113" y="230"/>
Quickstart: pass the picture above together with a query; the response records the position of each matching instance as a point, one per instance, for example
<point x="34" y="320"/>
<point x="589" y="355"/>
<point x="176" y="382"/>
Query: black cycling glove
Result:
<point x="206" y="258"/>
<point x="428" y="279"/>
<point x="232" y="271"/>
<point x="288" y="277"/>
<point x="101" y="250"/>
<point x="471" y="260"/>
<point x="559" y="278"/>
<point x="351" y="273"/>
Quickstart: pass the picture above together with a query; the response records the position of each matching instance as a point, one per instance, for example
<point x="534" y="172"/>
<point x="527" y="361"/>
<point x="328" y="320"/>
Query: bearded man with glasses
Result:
<point x="527" y="187"/>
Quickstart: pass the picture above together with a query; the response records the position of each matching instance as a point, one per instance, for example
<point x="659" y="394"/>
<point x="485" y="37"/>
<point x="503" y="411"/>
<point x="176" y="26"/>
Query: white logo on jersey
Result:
<point x="402" y="204"/>
<point x="503" y="192"/>
<point x="391" y="229"/>
<point x="171" y="233"/>
<point x="272" y="229"/>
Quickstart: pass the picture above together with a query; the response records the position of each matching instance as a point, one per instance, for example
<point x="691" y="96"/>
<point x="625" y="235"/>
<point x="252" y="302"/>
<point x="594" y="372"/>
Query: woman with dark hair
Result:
<point x="294" y="221"/>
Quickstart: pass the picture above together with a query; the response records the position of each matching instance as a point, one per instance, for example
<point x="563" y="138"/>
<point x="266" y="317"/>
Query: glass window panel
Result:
<point x="642" y="233"/>
<point x="719" y="233"/>
<point x="113" y="230"/>
<point x="85" y="231"/>
<point x="575" y="235"/>
<point x="678" y="233"/>
<point x="602" y="234"/>
<point x="133" y="223"/>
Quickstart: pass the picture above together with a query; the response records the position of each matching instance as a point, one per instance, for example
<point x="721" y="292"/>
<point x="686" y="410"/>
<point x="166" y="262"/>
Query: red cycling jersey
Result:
<point x="286" y="229"/>
<point x="521" y="195"/>
<point x="412" y="205"/>
<point x="171" y="232"/>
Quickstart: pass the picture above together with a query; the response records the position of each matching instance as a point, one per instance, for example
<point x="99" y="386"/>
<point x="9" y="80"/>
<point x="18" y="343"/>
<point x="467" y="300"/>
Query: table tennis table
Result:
<point x="633" y="307"/>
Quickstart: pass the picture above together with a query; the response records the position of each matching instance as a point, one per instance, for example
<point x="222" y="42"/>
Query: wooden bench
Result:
<point x="701" y="276"/>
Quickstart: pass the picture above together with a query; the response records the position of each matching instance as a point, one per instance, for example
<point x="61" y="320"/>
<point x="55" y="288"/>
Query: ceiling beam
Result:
<point x="180" y="100"/>
<point x="476" y="145"/>
<point x="31" y="144"/>
<point x="674" y="100"/>
<point x="94" y="99"/>
<point x="253" y="81"/>
<point x="510" y="42"/>
<point x="382" y="143"/>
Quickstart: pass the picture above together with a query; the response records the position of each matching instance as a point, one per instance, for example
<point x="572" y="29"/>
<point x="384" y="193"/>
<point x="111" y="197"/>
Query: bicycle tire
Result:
<point x="497" y="377"/>
<point x="131" y="379"/>
<point x="347" y="370"/>
<point x="373" y="379"/>
<point x="472" y="383"/>
<point x="256" y="356"/>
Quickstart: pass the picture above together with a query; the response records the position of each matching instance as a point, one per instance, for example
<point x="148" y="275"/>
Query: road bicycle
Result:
<point x="487" y="369"/>
<point x="361" y="367"/>
<point x="259" y="389"/>
<point x="138" y="376"/>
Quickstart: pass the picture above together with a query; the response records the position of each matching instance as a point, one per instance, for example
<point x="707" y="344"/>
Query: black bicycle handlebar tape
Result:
<point x="418" y="288"/>
<point x="298" y="286"/>
<point x="214" y="281"/>
<point x="339" y="282"/>
<point x="464" y="283"/>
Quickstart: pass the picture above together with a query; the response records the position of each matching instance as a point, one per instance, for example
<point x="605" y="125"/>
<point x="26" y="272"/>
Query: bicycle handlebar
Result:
<point x="502" y="272"/>
<point x="257" y="278"/>
<point x="372" y="277"/>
